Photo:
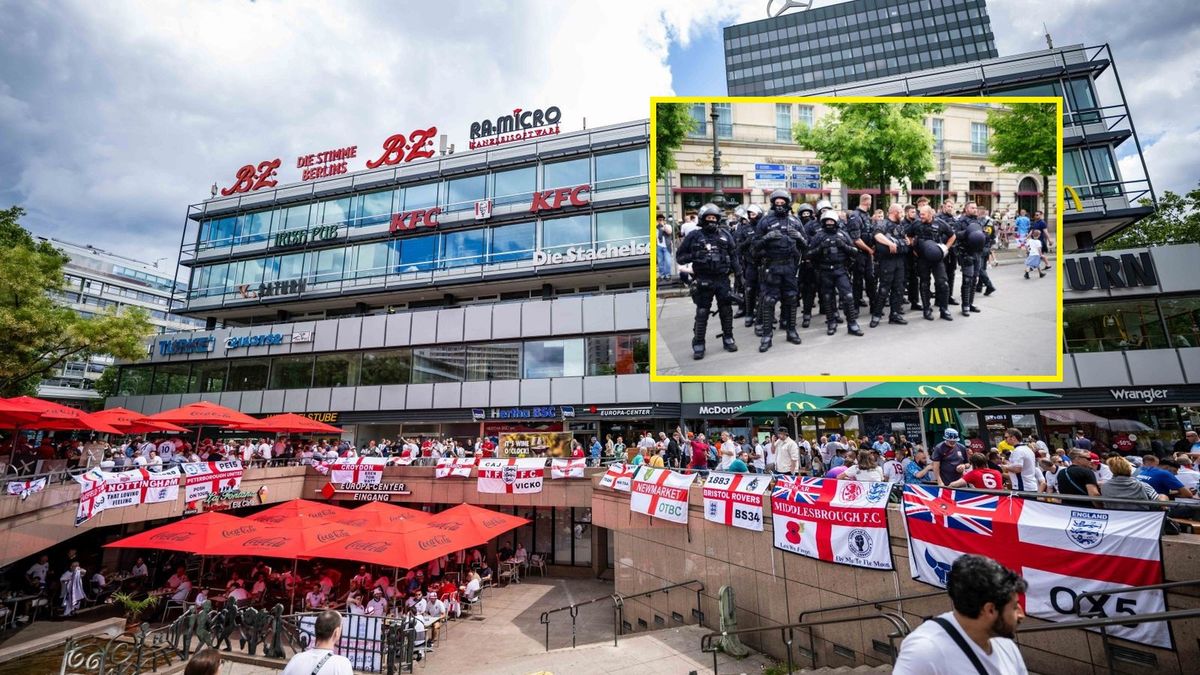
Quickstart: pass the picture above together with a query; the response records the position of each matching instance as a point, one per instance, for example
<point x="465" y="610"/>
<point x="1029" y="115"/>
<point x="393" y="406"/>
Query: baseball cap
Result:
<point x="1094" y="457"/>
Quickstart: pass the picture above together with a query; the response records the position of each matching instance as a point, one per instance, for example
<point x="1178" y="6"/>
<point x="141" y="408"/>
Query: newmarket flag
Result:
<point x="735" y="499"/>
<point x="206" y="478"/>
<point x="618" y="476"/>
<point x="1061" y="550"/>
<point x="26" y="487"/>
<point x="453" y="466"/>
<point x="567" y="468"/>
<point x="840" y="521"/>
<point x="511" y="476"/>
<point x="661" y="493"/>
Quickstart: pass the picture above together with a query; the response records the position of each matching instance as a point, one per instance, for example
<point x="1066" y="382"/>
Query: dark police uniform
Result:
<point x="989" y="228"/>
<point x="711" y="252"/>
<point x="808" y="272"/>
<point x="969" y="240"/>
<point x="951" y="259"/>
<point x="860" y="227"/>
<point x="938" y="232"/>
<point x="910" y="267"/>
<point x="746" y="258"/>
<point x="779" y="244"/>
<point x="892" y="272"/>
<point x="832" y="252"/>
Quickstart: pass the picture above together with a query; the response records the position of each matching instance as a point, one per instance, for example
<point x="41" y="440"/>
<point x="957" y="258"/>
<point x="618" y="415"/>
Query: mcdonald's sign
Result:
<point x="1074" y="197"/>
<point x="799" y="406"/>
<point x="940" y="389"/>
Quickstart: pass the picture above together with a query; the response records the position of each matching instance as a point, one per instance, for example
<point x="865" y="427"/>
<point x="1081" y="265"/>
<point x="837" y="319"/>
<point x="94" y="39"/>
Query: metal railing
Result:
<point x="618" y="609"/>
<point x="1104" y="622"/>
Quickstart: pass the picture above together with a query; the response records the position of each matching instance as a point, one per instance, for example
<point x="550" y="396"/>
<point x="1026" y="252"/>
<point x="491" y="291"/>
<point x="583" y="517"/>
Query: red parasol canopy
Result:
<point x="299" y="513"/>
<point x="133" y="422"/>
<point x="386" y="549"/>
<point x="27" y="412"/>
<point x="287" y="542"/>
<point x="203" y="413"/>
<point x="290" y="423"/>
<point x="483" y="524"/>
<point x="205" y="534"/>
<point x="384" y="517"/>
<point x="85" y="421"/>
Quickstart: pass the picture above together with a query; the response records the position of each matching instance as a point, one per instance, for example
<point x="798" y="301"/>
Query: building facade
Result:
<point x="96" y="280"/>
<point x="852" y="41"/>
<point x="759" y="155"/>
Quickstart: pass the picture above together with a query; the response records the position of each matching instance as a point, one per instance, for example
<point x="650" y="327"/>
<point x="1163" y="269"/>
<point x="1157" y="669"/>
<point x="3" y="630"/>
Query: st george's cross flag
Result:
<point x="1062" y="551"/>
<point x="618" y="477"/>
<point x="661" y="493"/>
<point x="839" y="521"/>
<point x="562" y="467"/>
<point x="512" y="475"/>
<point x="27" y="487"/>
<point x="368" y="470"/>
<point x="91" y="496"/>
<point x="202" y="479"/>
<point x="454" y="466"/>
<point x="735" y="499"/>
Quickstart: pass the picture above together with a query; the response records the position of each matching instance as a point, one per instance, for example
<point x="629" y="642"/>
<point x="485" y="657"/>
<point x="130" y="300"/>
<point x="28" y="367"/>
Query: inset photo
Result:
<point x="856" y="238"/>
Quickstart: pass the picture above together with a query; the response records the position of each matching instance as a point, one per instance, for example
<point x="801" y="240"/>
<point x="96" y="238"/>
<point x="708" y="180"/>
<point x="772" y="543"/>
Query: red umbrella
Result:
<point x="133" y="422"/>
<point x="203" y="413"/>
<point x="299" y="513"/>
<point x="85" y="421"/>
<point x="200" y="534"/>
<point x="386" y="549"/>
<point x="291" y="423"/>
<point x="286" y="542"/>
<point x="483" y="524"/>
<point x="384" y="517"/>
<point x="35" y="413"/>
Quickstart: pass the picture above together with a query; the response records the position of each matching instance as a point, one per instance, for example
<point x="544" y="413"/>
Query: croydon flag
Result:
<point x="661" y="493"/>
<point x="840" y="521"/>
<point x="1062" y="550"/>
<point x="735" y="499"/>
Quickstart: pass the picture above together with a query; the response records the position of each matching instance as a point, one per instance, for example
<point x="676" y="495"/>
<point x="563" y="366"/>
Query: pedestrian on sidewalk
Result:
<point x="1033" y="261"/>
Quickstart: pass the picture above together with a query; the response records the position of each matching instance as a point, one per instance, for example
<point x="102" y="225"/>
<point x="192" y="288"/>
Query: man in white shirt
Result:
<point x="155" y="462"/>
<point x="378" y="605"/>
<point x="727" y="450"/>
<point x="1187" y="473"/>
<point x="321" y="659"/>
<point x="1021" y="463"/>
<point x="183" y="590"/>
<point x="763" y="449"/>
<point x="315" y="599"/>
<point x="38" y="571"/>
<point x="166" y="450"/>
<point x="1049" y="469"/>
<point x="263" y="449"/>
<point x="976" y="637"/>
<point x="139" y="459"/>
<point x="787" y="453"/>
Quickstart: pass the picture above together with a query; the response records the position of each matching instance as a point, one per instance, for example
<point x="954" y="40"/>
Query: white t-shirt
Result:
<point x="1103" y="474"/>
<point x="304" y="663"/>
<point x="865" y="475"/>
<point x="1027" y="480"/>
<point x="1051" y="478"/>
<point x="1189" y="478"/>
<point x="928" y="650"/>
<point x="1034" y="246"/>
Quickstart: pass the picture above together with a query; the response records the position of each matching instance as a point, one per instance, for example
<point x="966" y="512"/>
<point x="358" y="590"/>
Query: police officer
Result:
<point x="892" y="245"/>
<point x="745" y="243"/>
<point x="711" y="252"/>
<point x="780" y="245"/>
<point x="951" y="260"/>
<point x="832" y="252"/>
<point x="983" y="279"/>
<point x="861" y="229"/>
<point x="929" y="238"/>
<point x="970" y="241"/>
<point x="910" y="262"/>
<point x="808" y="273"/>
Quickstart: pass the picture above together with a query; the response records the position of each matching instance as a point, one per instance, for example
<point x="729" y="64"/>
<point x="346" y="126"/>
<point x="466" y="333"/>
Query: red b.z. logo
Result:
<point x="250" y="179"/>
<point x="419" y="146"/>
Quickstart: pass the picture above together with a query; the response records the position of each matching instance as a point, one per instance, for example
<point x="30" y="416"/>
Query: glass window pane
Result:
<point x="336" y="370"/>
<point x="438" y="364"/>
<point x="418" y="253"/>
<point x="208" y="377"/>
<point x="602" y="355"/>
<point x="291" y="266"/>
<point x="375" y="207"/>
<point x="581" y="535"/>
<point x="620" y="169"/>
<point x="329" y="264"/>
<point x="1112" y="326"/>
<point x="171" y="378"/>
<point x="1073" y="173"/>
<point x="561" y="233"/>
<point x="1183" y="321"/>
<point x="254" y="227"/>
<point x="372" y="260"/>
<point x="420" y="196"/>
<point x="1102" y="165"/>
<point x="514" y="186"/>
<point x="569" y="173"/>
<point x="217" y="279"/>
<point x="294" y="218"/>
<point x="292" y="372"/>
<point x="633" y="354"/>
<point x="393" y="366"/>
<point x="627" y="226"/>
<point x="251" y="271"/>
<point x="554" y="358"/>
<point x="462" y="193"/>
<point x="512" y="242"/>
<point x="494" y="361"/>
<point x="135" y="380"/>
<point x="461" y="248"/>
<point x="247" y="374"/>
<point x="563" y="535"/>
<point x="335" y="211"/>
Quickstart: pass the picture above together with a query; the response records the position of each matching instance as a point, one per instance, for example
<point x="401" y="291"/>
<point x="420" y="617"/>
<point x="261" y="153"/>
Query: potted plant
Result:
<point x="133" y="608"/>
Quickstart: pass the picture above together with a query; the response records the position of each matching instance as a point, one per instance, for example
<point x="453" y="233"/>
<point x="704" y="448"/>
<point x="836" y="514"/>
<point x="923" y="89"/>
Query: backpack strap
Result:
<point x="321" y="663"/>
<point x="962" y="643"/>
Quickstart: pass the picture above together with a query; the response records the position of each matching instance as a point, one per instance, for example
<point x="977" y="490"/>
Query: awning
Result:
<point x="869" y="191"/>
<point x="707" y="190"/>
<point x="983" y="192"/>
<point x="933" y="192"/>
<point x="1028" y="194"/>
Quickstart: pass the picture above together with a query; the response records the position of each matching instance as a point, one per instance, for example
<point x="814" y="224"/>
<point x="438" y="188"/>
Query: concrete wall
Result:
<point x="773" y="587"/>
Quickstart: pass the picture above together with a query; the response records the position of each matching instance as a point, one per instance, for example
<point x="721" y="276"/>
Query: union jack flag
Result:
<point x="797" y="488"/>
<point x="956" y="510"/>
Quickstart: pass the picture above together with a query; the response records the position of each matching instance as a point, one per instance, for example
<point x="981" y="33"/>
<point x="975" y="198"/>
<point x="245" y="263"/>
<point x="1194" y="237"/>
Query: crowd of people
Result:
<point x="797" y="258"/>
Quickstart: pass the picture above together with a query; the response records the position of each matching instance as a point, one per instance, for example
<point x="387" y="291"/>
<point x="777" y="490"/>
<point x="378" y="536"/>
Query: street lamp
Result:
<point x="718" y="194"/>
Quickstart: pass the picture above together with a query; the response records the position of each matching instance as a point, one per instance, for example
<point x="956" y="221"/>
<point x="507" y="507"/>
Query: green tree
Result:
<point x="672" y="123"/>
<point x="863" y="144"/>
<point x="1177" y="221"/>
<point x="1024" y="139"/>
<point x="36" y="333"/>
<point x="106" y="384"/>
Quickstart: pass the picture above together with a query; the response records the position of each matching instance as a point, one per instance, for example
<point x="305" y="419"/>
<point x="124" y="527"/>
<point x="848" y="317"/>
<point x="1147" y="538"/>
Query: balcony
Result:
<point x="1108" y="124"/>
<point x="1104" y="209"/>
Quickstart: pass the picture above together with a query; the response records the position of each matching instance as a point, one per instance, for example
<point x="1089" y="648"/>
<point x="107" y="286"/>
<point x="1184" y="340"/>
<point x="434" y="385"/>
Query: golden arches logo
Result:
<point x="1074" y="197"/>
<point x="925" y="389"/>
<point x="799" y="405"/>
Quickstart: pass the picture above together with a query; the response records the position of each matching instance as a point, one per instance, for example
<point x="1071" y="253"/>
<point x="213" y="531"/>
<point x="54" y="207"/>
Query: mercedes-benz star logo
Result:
<point x="786" y="5"/>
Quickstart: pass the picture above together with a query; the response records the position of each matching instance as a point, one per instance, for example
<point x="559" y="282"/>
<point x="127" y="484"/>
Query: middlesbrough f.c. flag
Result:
<point x="618" y="476"/>
<point x="1062" y="550"/>
<point x="840" y="521"/>
<point x="735" y="499"/>
<point x="561" y="467"/>
<point x="661" y="493"/>
<point x="202" y="479"/>
<point x="512" y="476"/>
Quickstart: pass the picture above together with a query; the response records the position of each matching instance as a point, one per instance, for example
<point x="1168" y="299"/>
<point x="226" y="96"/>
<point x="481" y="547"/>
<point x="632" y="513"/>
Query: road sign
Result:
<point x="806" y="185"/>
<point x="770" y="167"/>
<point x="771" y="184"/>
<point x="771" y="176"/>
<point x="805" y="171"/>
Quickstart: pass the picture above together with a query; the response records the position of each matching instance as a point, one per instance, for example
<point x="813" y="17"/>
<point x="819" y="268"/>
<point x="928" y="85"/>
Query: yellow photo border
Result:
<point x="656" y="377"/>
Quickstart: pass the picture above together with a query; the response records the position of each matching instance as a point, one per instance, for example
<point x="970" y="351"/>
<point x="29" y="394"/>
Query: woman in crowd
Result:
<point x="866" y="470"/>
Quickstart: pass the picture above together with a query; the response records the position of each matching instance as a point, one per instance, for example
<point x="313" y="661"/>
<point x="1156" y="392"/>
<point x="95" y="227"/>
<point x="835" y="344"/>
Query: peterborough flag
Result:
<point x="206" y="478"/>
<point x="735" y="499"/>
<point x="1062" y="550"/>
<point x="618" y="477"/>
<point x="27" y="487"/>
<point x="453" y="466"/>
<point x="661" y="493"/>
<point x="567" y="468"/>
<point x="838" y="521"/>
<point x="511" y="476"/>
<point x="368" y="470"/>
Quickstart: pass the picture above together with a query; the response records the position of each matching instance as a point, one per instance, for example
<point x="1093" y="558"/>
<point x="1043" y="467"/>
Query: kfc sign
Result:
<point x="547" y="200"/>
<point x="410" y="220"/>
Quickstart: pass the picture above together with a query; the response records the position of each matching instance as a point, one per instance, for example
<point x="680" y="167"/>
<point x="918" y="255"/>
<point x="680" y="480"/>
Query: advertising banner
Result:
<point x="661" y="493"/>
<point x="735" y="499"/>
<point x="1062" y="551"/>
<point x="618" y="477"/>
<point x="511" y="476"/>
<point x="202" y="479"/>
<point x="535" y="444"/>
<point x="454" y="466"/>
<point x="567" y="468"/>
<point x="842" y="522"/>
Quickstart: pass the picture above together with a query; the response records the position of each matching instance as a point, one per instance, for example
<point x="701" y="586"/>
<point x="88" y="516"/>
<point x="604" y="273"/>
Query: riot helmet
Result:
<point x="781" y="209"/>
<point x="805" y="211"/>
<point x="740" y="212"/>
<point x="829" y="220"/>
<point x="754" y="212"/>
<point x="707" y="210"/>
<point x="823" y="204"/>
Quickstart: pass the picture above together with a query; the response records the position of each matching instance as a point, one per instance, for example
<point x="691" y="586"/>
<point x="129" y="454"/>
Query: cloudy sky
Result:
<point x="114" y="116"/>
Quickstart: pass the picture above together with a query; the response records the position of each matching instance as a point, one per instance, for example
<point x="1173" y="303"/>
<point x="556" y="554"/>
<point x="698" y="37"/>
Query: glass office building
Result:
<point x="853" y="41"/>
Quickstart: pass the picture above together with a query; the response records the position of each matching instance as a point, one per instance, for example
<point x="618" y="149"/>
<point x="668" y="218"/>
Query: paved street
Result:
<point x="1014" y="334"/>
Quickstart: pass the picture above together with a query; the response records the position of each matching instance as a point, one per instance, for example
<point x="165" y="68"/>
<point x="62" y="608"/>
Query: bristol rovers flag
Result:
<point x="735" y="499"/>
<point x="661" y="493"/>
<point x="840" y="521"/>
<point x="512" y="475"/>
<point x="1060" y="549"/>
